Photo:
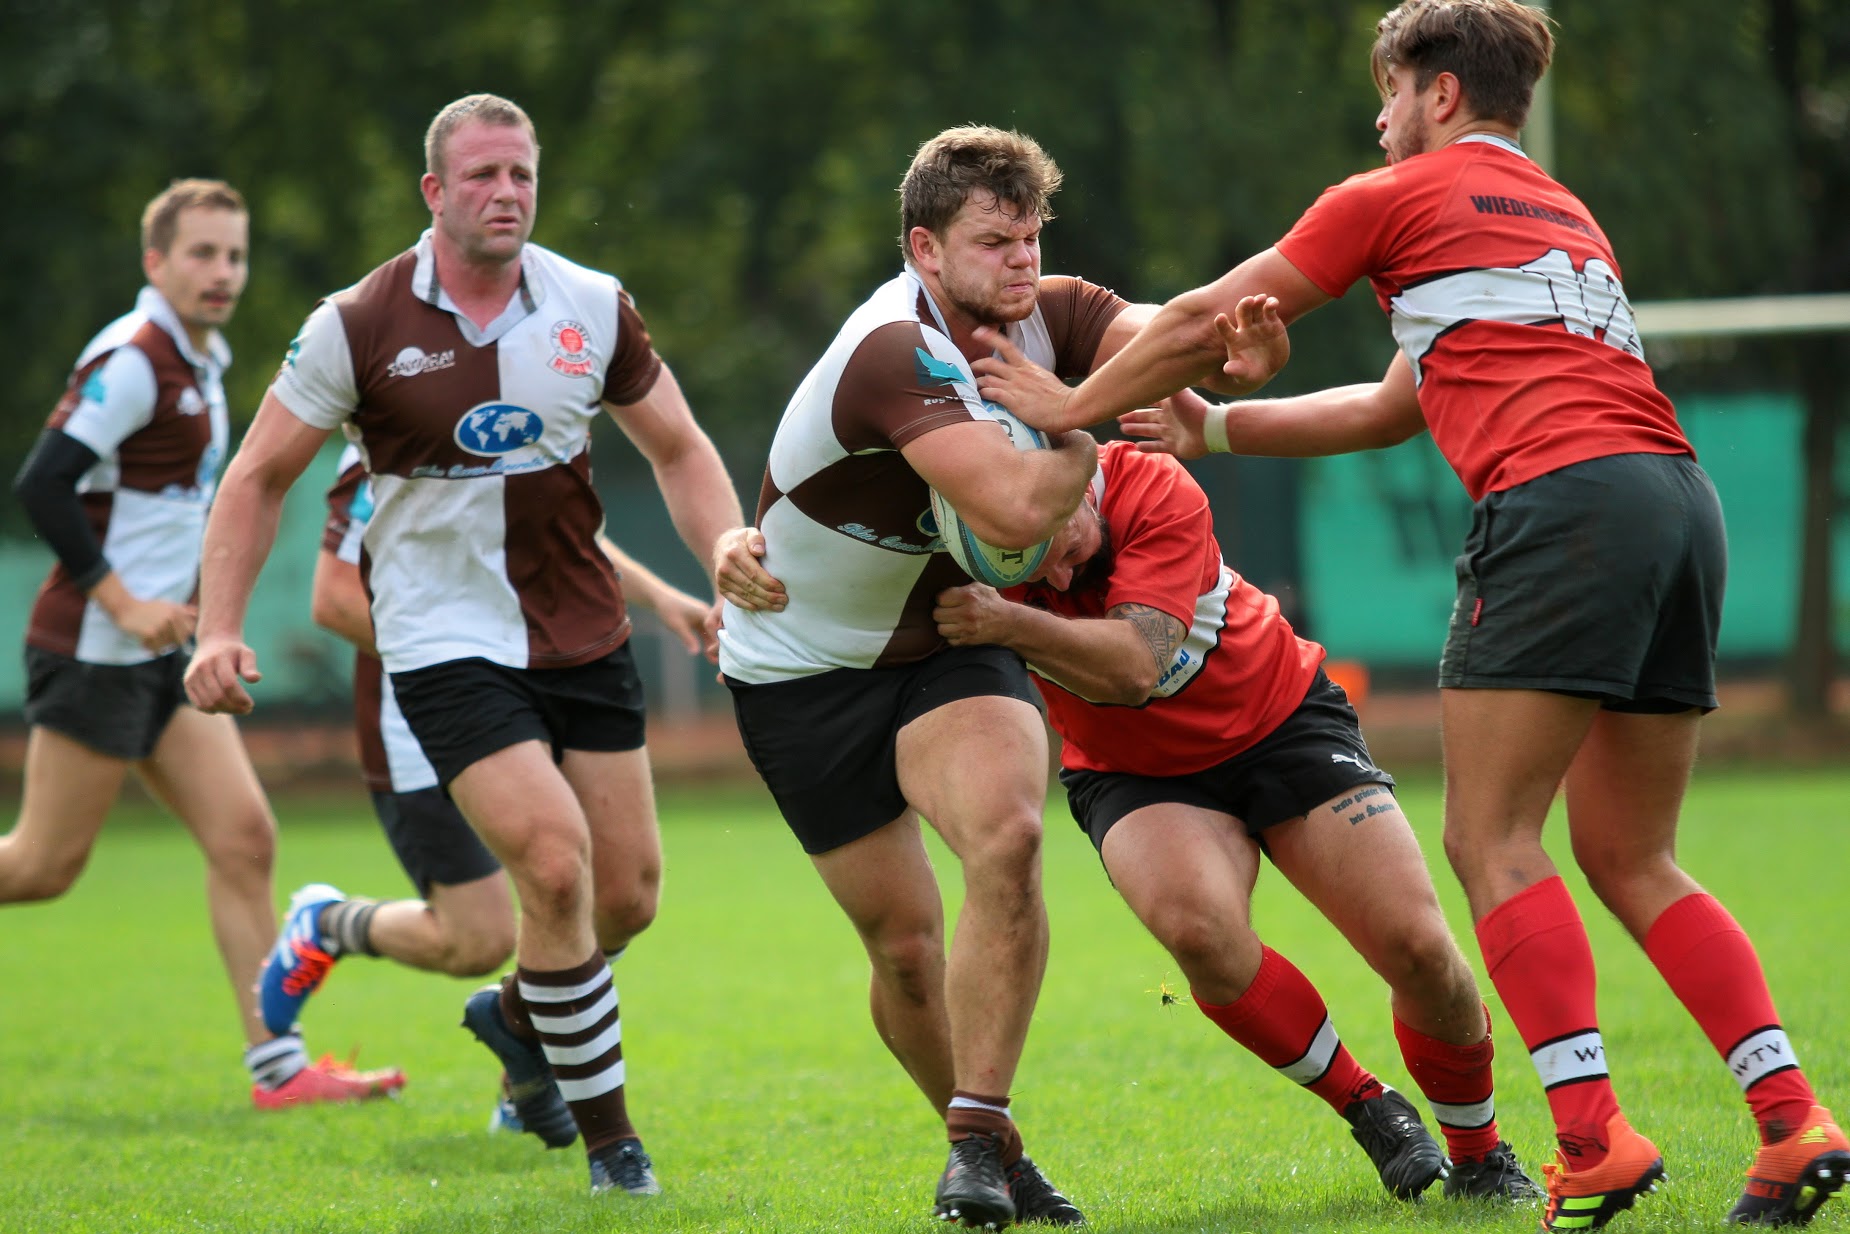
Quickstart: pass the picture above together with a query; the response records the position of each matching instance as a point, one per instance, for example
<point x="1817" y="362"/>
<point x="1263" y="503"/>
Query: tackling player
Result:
<point x="118" y="486"/>
<point x="1582" y="645"/>
<point x="1201" y="733"/>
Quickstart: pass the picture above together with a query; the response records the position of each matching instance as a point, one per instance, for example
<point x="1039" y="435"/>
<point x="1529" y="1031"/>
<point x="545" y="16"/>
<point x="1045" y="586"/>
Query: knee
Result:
<point x="1006" y="851"/>
<point x="553" y="875"/>
<point x="244" y="847"/>
<point x="910" y="963"/>
<point x="627" y="910"/>
<point x="1201" y="943"/>
<point x="1424" y="962"/>
<point x="48" y="878"/>
<point x="480" y="950"/>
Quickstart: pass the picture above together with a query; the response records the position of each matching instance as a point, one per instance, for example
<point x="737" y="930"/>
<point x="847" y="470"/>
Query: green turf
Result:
<point x="758" y="1083"/>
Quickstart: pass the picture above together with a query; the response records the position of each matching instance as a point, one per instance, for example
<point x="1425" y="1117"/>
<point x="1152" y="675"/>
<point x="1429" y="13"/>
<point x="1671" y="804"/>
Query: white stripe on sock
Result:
<point x="1465" y="1117"/>
<point x="592" y="1085"/>
<point x="573" y="1055"/>
<point x="577" y="1021"/>
<point x="1759" y="1055"/>
<point x="1316" y="1060"/>
<point x="1579" y="1057"/>
<point x="535" y="993"/>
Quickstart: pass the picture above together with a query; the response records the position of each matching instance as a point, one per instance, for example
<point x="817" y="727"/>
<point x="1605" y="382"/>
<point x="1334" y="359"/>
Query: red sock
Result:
<point x="1457" y="1083"/>
<point x="1541" y="963"/>
<point x="1282" y="1019"/>
<point x="1711" y="967"/>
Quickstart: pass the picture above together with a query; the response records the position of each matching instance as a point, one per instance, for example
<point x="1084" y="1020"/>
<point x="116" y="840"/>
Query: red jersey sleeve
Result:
<point x="1347" y="232"/>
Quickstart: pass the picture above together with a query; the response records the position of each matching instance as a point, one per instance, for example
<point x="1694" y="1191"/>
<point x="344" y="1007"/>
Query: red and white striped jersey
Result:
<point x="482" y="541"/>
<point x="847" y="523"/>
<point x="390" y="755"/>
<point x="1238" y="673"/>
<point x="1505" y="298"/>
<point x="152" y="407"/>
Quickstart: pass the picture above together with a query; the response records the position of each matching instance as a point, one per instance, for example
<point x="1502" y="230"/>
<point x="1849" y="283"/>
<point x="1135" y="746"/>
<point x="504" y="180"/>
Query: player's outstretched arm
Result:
<point x="1342" y="420"/>
<point x="1115" y="659"/>
<point x="239" y="535"/>
<point x="1178" y="348"/>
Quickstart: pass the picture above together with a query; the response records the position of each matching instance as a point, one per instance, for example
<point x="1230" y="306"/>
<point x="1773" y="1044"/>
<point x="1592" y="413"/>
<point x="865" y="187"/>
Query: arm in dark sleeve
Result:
<point x="47" y="487"/>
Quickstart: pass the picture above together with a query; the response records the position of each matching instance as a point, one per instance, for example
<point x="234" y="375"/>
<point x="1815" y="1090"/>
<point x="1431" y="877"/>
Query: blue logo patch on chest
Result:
<point x="492" y="429"/>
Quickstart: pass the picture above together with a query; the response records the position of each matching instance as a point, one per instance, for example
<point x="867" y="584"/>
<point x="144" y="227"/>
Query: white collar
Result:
<point x="153" y="305"/>
<point x="527" y="298"/>
<point x="1493" y="139"/>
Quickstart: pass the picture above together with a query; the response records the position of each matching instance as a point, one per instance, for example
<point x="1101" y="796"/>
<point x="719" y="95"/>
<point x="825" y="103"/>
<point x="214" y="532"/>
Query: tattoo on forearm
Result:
<point x="1161" y="632"/>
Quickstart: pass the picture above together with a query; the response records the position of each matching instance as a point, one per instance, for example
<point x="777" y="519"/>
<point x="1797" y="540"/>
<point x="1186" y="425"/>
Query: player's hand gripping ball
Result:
<point x="986" y="563"/>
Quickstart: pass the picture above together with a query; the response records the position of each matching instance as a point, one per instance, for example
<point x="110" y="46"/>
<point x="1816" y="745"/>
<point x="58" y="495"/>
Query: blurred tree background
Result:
<point x="735" y="162"/>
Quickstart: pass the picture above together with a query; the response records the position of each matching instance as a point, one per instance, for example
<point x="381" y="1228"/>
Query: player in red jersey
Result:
<point x="1582" y="645"/>
<point x="1199" y="733"/>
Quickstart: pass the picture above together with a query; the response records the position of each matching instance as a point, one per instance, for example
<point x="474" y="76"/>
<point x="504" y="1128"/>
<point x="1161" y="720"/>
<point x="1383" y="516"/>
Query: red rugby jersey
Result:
<point x="1505" y="298"/>
<point x="1237" y="675"/>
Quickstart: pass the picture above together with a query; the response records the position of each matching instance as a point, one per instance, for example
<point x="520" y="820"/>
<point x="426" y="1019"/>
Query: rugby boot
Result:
<point x="623" y="1166"/>
<point x="1036" y="1199"/>
<point x="1587" y="1199"/>
<point x="530" y="1085"/>
<point x="300" y="960"/>
<point x="972" y="1191"/>
<point x="1389" y="1130"/>
<point x="1789" y="1181"/>
<point x="1497" y="1175"/>
<point x="328" y="1079"/>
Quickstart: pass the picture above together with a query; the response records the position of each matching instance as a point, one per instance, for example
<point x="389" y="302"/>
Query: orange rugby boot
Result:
<point x="328" y="1079"/>
<point x="1587" y="1199"/>
<point x="1789" y="1181"/>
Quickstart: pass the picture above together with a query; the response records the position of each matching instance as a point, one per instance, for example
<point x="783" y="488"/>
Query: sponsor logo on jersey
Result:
<point x="294" y="353"/>
<point x="94" y="390"/>
<point x="571" y="350"/>
<point x="413" y="360"/>
<point x="493" y="429"/>
<point x="935" y="372"/>
<point x="190" y="402"/>
<point x="361" y="510"/>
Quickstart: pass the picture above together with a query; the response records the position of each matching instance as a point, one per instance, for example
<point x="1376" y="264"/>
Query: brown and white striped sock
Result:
<point x="574" y="1011"/>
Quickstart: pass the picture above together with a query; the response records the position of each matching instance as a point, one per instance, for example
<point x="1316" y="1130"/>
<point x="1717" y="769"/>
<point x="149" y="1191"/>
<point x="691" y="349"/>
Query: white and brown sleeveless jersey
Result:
<point x="483" y="536"/>
<point x="847" y="522"/>
<point x="152" y="407"/>
<point x="390" y="755"/>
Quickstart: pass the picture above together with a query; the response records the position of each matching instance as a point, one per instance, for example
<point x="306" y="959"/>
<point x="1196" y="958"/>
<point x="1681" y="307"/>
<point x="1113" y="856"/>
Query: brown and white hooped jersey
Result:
<point x="847" y="522"/>
<point x="483" y="536"/>
<point x="390" y="755"/>
<point x="152" y="407"/>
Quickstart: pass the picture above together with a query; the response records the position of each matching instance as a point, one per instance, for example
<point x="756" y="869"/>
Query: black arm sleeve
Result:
<point x="47" y="487"/>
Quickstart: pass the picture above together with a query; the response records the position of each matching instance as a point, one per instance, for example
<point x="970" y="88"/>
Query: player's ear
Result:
<point x="1448" y="98"/>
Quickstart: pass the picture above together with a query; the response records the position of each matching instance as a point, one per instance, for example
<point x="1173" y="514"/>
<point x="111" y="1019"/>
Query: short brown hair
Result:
<point x="958" y="162"/>
<point x="485" y="108"/>
<point x="160" y="221"/>
<point x="1498" y="50"/>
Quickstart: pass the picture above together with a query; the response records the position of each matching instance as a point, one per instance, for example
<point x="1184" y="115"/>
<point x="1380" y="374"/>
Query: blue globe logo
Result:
<point x="493" y="429"/>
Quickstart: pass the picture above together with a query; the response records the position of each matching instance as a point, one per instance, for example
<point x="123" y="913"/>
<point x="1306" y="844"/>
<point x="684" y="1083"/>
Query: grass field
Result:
<point x="758" y="1083"/>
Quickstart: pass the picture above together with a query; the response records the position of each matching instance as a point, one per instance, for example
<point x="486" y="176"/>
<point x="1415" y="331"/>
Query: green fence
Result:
<point x="1360" y="548"/>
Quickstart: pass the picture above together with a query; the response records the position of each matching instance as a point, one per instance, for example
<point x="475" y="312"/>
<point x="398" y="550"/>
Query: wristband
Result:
<point x="1214" y="429"/>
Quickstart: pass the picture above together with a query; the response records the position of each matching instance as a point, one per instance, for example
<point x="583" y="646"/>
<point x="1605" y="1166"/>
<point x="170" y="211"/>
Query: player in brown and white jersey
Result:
<point x="463" y="921"/>
<point x="468" y="371"/>
<point x="854" y="710"/>
<point x="118" y="486"/>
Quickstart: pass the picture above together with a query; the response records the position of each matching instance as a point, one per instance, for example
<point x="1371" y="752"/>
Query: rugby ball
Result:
<point x="999" y="567"/>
